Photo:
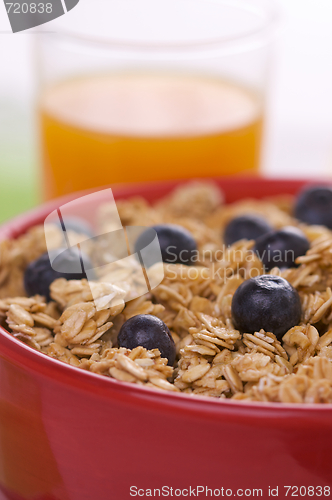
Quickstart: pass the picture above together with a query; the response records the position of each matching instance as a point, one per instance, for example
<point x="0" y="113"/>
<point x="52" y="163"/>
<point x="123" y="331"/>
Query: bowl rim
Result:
<point x="45" y="366"/>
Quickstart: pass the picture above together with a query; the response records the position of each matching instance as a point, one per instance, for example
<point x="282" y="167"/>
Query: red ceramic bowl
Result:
<point x="66" y="434"/>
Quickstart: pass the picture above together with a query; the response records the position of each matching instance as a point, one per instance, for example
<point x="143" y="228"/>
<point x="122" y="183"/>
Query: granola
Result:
<point x="81" y="323"/>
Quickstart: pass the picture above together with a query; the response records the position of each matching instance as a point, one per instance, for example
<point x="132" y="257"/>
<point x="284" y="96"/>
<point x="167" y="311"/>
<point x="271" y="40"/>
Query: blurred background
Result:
<point x="298" y="141"/>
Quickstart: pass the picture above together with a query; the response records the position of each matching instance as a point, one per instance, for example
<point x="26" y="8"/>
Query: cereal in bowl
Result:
<point x="244" y="310"/>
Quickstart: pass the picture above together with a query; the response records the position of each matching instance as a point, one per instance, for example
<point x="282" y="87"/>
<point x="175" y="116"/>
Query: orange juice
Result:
<point x="137" y="127"/>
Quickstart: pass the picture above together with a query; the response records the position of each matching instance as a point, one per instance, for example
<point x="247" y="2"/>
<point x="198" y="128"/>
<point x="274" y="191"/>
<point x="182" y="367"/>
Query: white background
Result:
<point x="300" y="126"/>
<point x="299" y="131"/>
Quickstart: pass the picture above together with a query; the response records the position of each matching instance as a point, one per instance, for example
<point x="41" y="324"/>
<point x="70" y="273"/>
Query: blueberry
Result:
<point x="40" y="274"/>
<point x="176" y="243"/>
<point x="281" y="248"/>
<point x="150" y="332"/>
<point x="76" y="224"/>
<point x="248" y="227"/>
<point x="314" y="206"/>
<point x="267" y="302"/>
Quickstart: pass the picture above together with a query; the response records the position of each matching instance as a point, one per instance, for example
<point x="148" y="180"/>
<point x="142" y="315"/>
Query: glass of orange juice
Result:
<point x="136" y="90"/>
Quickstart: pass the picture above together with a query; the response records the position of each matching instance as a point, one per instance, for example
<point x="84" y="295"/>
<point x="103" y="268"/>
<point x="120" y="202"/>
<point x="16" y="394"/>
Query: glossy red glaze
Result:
<point x="66" y="434"/>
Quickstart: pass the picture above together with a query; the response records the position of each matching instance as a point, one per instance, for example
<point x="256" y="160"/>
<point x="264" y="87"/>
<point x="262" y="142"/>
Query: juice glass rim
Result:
<point x="250" y="38"/>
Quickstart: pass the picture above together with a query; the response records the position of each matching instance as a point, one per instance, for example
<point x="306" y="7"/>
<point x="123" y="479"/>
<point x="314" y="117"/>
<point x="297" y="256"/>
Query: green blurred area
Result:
<point x="17" y="193"/>
<point x="19" y="184"/>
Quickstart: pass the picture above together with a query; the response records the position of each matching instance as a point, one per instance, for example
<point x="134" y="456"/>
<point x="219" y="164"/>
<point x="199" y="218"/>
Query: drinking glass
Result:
<point x="140" y="90"/>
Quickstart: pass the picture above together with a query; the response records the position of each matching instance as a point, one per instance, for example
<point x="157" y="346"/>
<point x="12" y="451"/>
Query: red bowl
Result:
<point x="72" y="435"/>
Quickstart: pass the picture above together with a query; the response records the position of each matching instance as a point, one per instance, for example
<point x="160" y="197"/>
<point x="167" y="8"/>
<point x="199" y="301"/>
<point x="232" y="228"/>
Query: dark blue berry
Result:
<point x="76" y="224"/>
<point x="150" y="332"/>
<point x="245" y="227"/>
<point x="281" y="248"/>
<point x="40" y="274"/>
<point x="314" y="206"/>
<point x="177" y="245"/>
<point x="266" y="302"/>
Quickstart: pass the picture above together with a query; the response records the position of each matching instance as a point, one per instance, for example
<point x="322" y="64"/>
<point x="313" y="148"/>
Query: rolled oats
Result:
<point x="81" y="323"/>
